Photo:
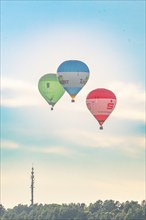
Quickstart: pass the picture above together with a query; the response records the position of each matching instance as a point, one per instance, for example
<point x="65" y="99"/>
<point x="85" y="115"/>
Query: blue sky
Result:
<point x="74" y="161"/>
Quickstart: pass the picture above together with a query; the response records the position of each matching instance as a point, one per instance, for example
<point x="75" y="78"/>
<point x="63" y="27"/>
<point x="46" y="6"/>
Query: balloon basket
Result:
<point x="72" y="100"/>
<point x="51" y="108"/>
<point x="101" y="128"/>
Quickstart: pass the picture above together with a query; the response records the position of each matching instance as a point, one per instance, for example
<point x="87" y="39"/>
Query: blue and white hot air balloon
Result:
<point x="73" y="75"/>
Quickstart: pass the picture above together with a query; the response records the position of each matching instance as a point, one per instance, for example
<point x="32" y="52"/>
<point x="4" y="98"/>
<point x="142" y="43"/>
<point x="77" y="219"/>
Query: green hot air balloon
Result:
<point x="50" y="88"/>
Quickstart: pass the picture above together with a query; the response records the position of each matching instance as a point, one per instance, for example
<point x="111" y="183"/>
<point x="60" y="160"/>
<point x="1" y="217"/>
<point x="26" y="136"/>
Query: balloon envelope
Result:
<point x="50" y="88"/>
<point x="73" y="75"/>
<point x="101" y="103"/>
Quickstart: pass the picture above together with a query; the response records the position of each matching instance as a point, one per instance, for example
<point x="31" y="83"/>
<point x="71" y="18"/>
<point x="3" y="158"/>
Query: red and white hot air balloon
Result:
<point x="101" y="102"/>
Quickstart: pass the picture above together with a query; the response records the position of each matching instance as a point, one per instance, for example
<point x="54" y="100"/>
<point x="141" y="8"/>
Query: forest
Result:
<point x="100" y="210"/>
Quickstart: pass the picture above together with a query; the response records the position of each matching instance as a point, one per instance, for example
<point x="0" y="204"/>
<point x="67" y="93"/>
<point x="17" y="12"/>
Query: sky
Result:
<point x="73" y="160"/>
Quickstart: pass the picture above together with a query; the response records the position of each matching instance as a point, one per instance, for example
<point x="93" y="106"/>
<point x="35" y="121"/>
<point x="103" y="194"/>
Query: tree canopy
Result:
<point x="100" y="210"/>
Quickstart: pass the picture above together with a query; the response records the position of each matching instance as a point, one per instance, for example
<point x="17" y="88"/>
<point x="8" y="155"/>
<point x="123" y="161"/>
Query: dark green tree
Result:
<point x="2" y="210"/>
<point x="107" y="210"/>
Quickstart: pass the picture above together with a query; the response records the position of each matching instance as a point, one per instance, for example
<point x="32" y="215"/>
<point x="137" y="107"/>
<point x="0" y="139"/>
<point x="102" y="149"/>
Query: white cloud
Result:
<point x="131" y="145"/>
<point x="130" y="98"/>
<point x="7" y="144"/>
<point x="18" y="93"/>
<point x="60" y="150"/>
<point x="51" y="150"/>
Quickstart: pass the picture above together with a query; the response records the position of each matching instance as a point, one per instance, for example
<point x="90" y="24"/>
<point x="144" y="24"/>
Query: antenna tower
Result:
<point x="32" y="186"/>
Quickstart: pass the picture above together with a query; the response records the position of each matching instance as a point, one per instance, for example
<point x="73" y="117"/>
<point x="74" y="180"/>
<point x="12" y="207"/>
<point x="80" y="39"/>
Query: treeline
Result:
<point x="100" y="210"/>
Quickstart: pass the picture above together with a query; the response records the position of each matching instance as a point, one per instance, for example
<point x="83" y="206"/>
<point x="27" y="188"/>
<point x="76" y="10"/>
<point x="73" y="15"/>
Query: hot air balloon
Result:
<point x="101" y="103"/>
<point x="50" y="88"/>
<point x="73" y="75"/>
